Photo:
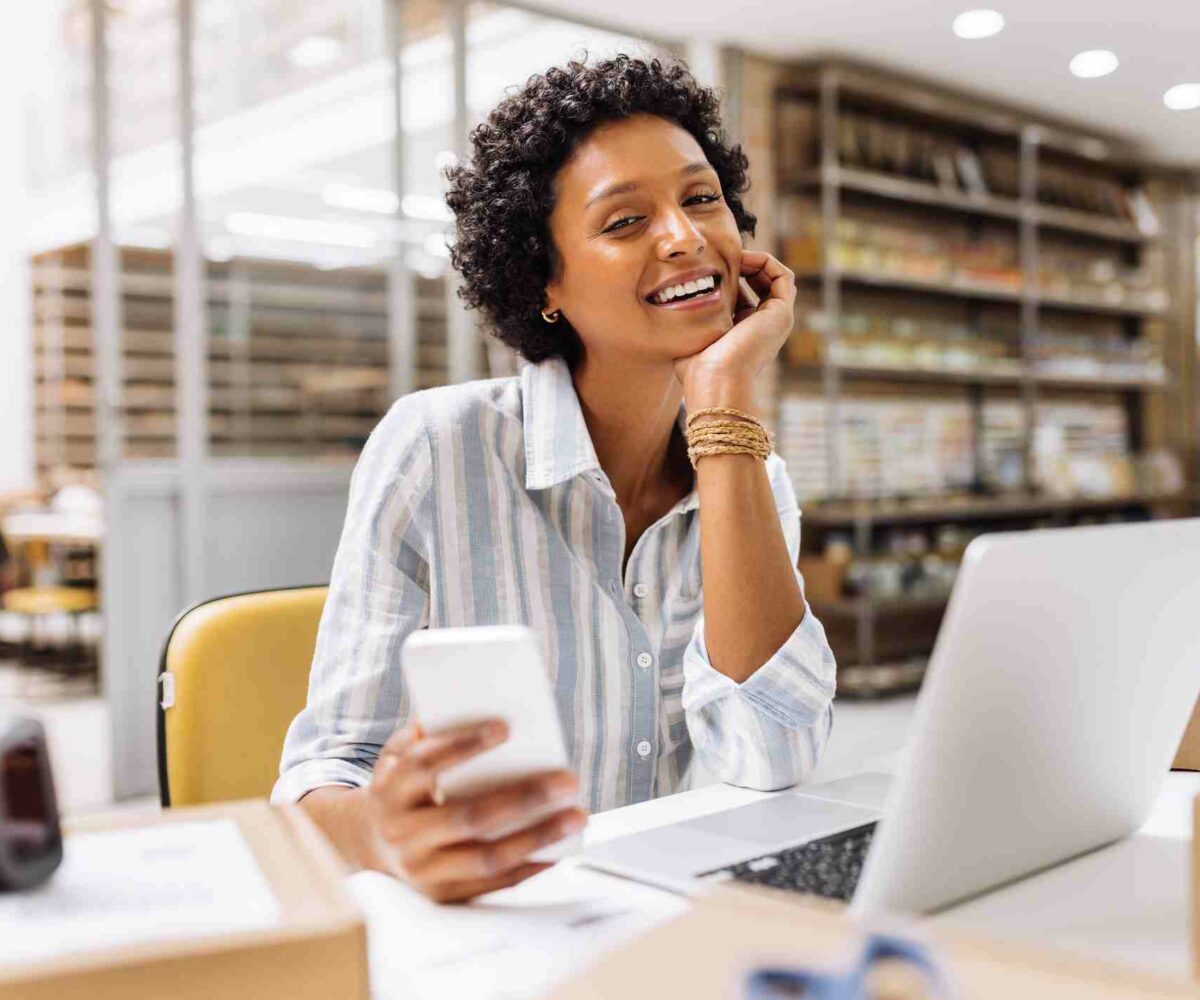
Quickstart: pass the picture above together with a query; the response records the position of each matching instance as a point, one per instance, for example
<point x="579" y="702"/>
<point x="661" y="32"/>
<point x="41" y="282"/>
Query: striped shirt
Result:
<point x="482" y="504"/>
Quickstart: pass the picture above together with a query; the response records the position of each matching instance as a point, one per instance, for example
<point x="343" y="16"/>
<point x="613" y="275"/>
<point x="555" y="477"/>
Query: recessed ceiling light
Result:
<point x="978" y="23"/>
<point x="315" y="51"/>
<point x="1093" y="63"/>
<point x="1183" y="97"/>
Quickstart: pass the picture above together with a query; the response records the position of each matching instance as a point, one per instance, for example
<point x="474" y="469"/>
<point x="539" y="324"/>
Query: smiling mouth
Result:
<point x="707" y="293"/>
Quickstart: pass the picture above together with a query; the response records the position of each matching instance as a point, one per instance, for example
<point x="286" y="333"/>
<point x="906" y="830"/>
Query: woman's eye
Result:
<point x="630" y="219"/>
<point x="621" y="223"/>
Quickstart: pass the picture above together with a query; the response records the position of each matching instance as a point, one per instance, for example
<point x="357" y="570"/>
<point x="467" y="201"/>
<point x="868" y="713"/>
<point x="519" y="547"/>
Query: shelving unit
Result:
<point x="297" y="357"/>
<point x="960" y="257"/>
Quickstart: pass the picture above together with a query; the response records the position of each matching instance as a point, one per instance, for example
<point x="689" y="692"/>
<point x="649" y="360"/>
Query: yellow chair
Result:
<point x="233" y="675"/>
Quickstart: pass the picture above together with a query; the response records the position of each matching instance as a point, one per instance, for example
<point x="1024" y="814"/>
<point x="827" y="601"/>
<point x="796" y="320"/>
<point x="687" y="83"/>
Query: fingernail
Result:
<point x="572" y="823"/>
<point x="494" y="732"/>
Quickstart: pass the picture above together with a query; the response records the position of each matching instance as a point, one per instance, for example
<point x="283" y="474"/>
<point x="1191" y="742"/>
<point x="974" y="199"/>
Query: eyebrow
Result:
<point x="624" y="187"/>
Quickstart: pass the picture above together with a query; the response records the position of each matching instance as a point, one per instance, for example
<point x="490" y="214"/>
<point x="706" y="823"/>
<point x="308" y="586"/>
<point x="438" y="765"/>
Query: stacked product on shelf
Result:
<point x="889" y="447"/>
<point x="297" y="357"/>
<point x="983" y="320"/>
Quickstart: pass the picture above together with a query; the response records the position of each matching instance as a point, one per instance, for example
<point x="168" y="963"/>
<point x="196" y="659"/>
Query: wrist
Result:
<point x="733" y="392"/>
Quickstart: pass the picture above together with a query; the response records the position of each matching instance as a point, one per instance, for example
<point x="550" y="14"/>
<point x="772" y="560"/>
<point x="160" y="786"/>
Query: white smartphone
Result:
<point x="457" y="676"/>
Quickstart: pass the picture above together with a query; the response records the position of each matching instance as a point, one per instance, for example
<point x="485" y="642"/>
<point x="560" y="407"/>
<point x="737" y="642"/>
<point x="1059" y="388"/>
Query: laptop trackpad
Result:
<point x="783" y="820"/>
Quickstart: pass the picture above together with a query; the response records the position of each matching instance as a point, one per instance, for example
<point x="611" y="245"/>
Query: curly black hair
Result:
<point x="503" y="195"/>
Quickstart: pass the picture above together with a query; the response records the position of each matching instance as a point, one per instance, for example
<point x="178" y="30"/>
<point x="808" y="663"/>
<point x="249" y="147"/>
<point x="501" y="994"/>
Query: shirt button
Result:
<point x="640" y="590"/>
<point x="644" y="749"/>
<point x="644" y="660"/>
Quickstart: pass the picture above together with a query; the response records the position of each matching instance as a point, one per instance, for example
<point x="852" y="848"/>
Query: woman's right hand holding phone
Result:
<point x="449" y="850"/>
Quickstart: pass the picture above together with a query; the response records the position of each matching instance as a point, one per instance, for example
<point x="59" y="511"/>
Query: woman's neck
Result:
<point x="631" y="415"/>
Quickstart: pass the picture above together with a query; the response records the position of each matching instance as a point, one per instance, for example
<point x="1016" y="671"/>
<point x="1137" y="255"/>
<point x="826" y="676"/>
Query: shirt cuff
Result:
<point x="794" y="687"/>
<point x="301" y="779"/>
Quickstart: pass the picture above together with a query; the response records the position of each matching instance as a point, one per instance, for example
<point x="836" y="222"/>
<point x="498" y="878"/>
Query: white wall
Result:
<point x="16" y="355"/>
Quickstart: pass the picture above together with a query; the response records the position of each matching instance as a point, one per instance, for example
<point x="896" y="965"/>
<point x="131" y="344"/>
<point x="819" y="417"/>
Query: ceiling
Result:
<point x="1026" y="64"/>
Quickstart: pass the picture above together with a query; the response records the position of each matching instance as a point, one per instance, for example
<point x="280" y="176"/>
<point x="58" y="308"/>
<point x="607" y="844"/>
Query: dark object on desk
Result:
<point x="829" y="867"/>
<point x="30" y="838"/>
<point x="888" y="967"/>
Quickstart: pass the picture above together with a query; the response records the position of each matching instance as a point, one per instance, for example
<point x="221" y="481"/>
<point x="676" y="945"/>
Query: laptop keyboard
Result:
<point x="828" y="867"/>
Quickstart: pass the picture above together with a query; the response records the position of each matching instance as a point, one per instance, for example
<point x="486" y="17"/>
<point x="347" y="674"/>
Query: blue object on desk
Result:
<point x="781" y="984"/>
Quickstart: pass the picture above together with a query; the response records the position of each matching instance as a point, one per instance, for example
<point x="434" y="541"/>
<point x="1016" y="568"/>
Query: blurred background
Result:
<point x="224" y="253"/>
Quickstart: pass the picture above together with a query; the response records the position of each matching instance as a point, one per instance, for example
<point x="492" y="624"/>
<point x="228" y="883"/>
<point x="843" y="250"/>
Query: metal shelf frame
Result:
<point x="832" y="86"/>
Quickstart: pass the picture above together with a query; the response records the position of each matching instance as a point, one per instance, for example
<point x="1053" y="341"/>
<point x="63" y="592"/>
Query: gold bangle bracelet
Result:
<point x="724" y="437"/>
<point x="722" y="411"/>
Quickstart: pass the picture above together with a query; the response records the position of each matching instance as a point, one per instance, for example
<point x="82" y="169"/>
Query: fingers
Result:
<point x="485" y="815"/>
<point x="453" y="746"/>
<point x="456" y="851"/>
<point x="747" y="302"/>
<point x="767" y="276"/>
<point x="458" y="892"/>
<point x="489" y="859"/>
<point x="408" y="766"/>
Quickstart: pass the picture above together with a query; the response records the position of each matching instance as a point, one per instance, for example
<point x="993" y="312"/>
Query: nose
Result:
<point x="680" y="235"/>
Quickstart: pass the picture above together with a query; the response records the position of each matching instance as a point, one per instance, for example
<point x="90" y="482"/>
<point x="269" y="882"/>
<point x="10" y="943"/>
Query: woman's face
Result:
<point x="638" y="207"/>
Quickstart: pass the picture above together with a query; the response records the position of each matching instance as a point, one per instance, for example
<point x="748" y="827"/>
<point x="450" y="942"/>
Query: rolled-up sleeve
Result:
<point x="768" y="731"/>
<point x="378" y="594"/>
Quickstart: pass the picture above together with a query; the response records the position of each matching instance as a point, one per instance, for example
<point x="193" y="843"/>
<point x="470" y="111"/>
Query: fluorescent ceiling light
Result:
<point x="219" y="248"/>
<point x="360" y="199"/>
<point x="1183" y="97"/>
<point x="315" y="51"/>
<point x="144" y="237"/>
<point x="425" y="265"/>
<point x="1093" y="63"/>
<point x="383" y="201"/>
<point x="435" y="244"/>
<point x="423" y="206"/>
<point x="284" y="227"/>
<point x="979" y="23"/>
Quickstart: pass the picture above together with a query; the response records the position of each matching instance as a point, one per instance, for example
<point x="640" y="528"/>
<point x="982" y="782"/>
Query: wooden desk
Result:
<point x="1127" y="903"/>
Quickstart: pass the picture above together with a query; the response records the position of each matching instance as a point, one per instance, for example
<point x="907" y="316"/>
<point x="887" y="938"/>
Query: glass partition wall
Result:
<point x="242" y="258"/>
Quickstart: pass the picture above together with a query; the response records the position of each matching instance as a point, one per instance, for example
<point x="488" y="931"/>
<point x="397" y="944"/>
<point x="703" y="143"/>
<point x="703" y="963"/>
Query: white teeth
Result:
<point x="687" y="288"/>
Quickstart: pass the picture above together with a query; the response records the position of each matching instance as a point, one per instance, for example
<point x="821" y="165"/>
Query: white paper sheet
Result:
<point x="511" y="944"/>
<point x="135" y="886"/>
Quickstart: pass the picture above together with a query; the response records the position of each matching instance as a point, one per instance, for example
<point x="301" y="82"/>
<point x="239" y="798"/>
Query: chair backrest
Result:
<point x="233" y="675"/>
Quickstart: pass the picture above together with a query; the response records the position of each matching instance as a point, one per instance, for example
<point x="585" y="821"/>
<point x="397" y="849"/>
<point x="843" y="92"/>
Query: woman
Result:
<point x="599" y="228"/>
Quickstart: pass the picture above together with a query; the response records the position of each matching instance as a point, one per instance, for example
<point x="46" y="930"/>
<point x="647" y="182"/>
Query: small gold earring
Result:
<point x="553" y="317"/>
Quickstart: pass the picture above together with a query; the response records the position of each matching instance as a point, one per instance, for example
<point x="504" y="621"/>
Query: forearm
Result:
<point x="341" y="814"/>
<point x="752" y="600"/>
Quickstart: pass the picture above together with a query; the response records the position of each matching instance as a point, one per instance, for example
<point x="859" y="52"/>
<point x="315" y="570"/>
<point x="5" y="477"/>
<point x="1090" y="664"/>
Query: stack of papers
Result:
<point x="512" y="944"/>
<point x="138" y="886"/>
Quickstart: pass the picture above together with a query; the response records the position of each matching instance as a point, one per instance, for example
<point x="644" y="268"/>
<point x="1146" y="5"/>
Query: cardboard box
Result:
<point x="317" y="951"/>
<point x="708" y="952"/>
<point x="1187" y="757"/>
<point x="1196" y="887"/>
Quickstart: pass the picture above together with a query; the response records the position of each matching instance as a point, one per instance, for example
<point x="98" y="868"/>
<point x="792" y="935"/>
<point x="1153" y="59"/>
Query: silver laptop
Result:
<point x="1063" y="676"/>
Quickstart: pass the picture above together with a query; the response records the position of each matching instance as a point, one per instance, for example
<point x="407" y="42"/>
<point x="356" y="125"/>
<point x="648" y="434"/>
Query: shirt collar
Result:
<point x="557" y="443"/>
